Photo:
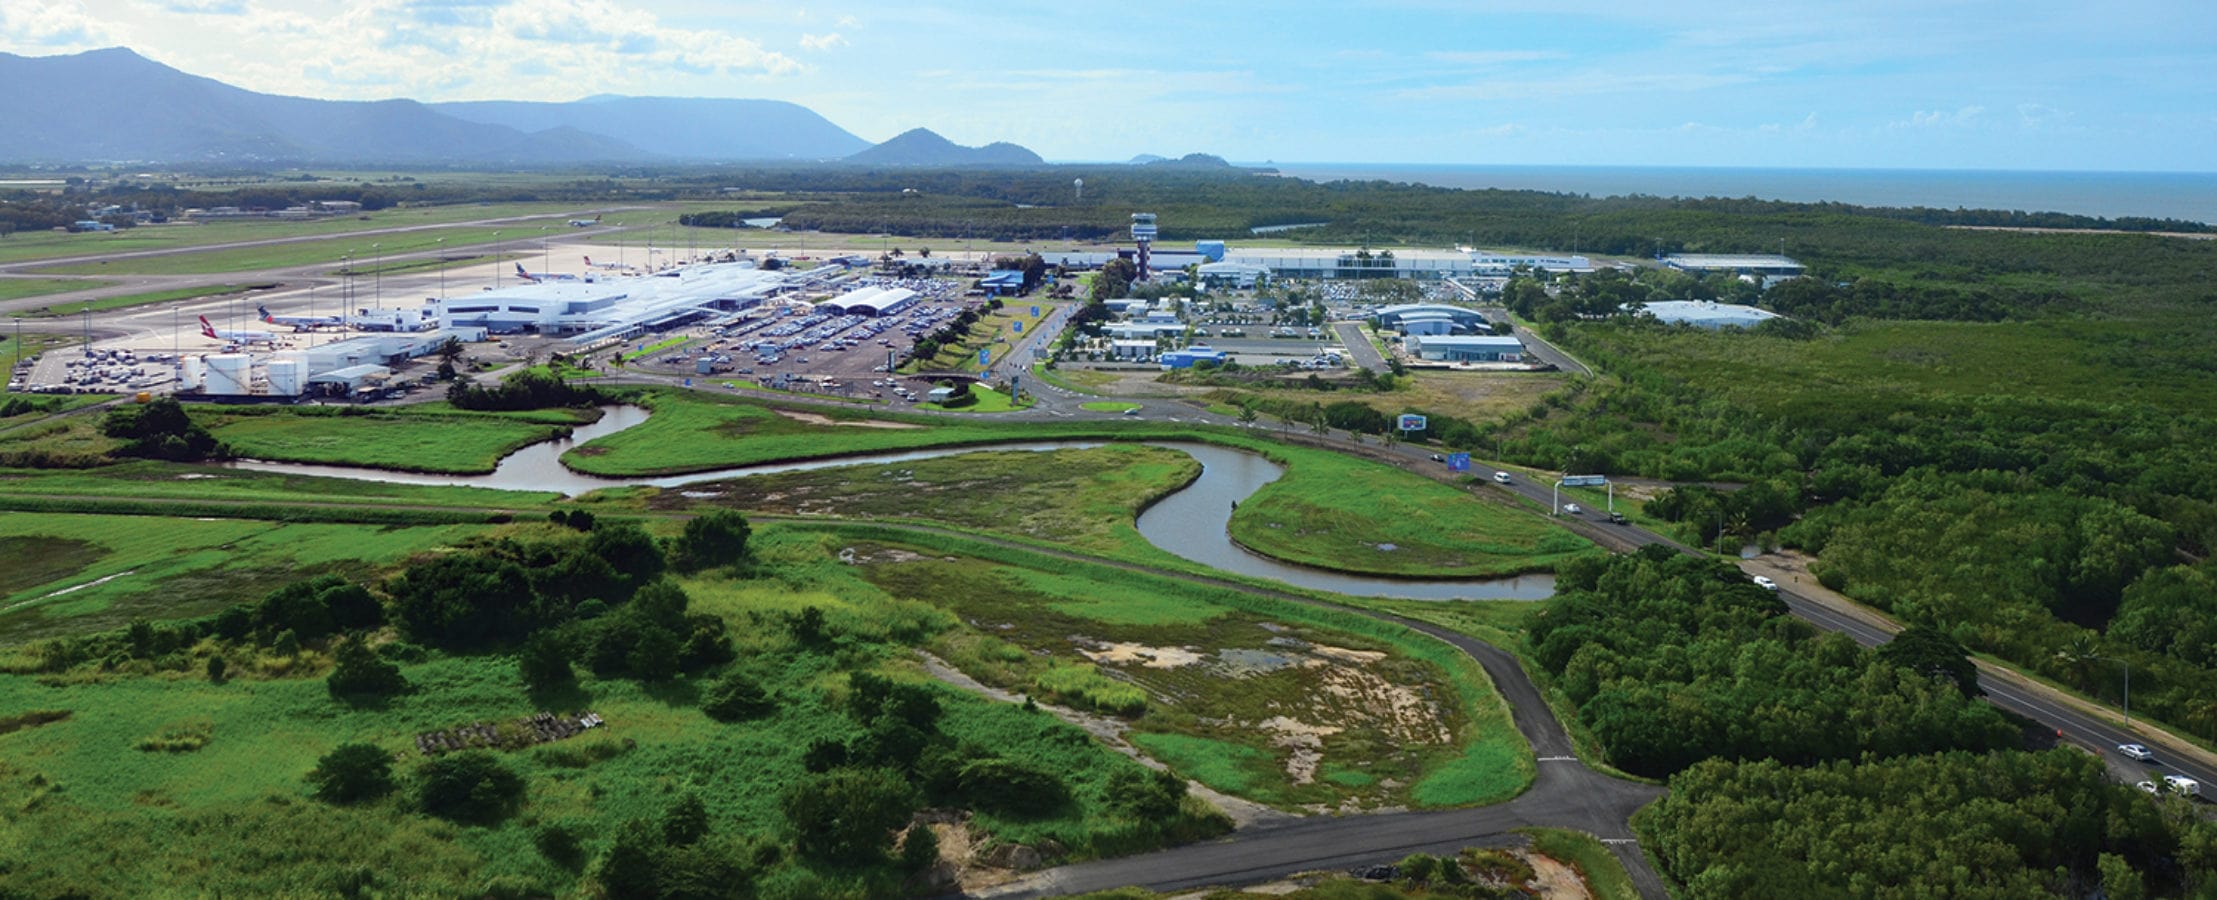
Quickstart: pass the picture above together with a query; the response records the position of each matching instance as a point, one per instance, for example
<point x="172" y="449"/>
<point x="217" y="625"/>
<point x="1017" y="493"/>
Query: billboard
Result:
<point x="1458" y="462"/>
<point x="1583" y="480"/>
<point x="1410" y="422"/>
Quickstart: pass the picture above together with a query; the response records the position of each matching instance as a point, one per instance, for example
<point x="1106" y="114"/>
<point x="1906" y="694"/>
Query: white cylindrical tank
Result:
<point x="192" y="374"/>
<point x="229" y="375"/>
<point x="288" y="377"/>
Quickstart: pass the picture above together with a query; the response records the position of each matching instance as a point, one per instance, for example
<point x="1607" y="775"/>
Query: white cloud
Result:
<point x="52" y="26"/>
<point x="1940" y="118"/>
<point x="205" y="7"/>
<point x="848" y="22"/>
<point x="822" y="42"/>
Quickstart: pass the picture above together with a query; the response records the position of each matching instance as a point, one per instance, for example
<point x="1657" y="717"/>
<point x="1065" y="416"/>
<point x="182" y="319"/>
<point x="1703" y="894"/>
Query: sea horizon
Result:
<point x="2187" y="196"/>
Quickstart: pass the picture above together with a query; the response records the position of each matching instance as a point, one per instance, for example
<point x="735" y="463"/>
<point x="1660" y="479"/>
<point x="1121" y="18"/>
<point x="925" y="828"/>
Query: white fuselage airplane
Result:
<point x="299" y="323"/>
<point x="585" y="223"/>
<point x="236" y="337"/>
<point x="537" y="277"/>
<point x="611" y="266"/>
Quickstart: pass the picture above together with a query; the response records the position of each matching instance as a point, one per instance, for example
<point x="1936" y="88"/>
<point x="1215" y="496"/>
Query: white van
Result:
<point x="2180" y="784"/>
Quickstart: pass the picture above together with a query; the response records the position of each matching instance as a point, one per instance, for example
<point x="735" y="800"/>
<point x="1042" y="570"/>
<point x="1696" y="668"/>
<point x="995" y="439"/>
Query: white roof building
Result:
<point x="1707" y="313"/>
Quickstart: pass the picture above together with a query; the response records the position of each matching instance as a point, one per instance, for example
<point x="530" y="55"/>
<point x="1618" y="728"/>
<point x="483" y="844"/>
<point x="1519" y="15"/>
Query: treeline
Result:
<point x="1947" y="825"/>
<point x="1673" y="659"/>
<point x="732" y="218"/>
<point x="528" y="389"/>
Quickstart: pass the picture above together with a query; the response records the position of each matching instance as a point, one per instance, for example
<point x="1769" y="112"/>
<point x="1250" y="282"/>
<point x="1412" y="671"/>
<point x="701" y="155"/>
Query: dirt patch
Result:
<point x="1398" y="710"/>
<point x="1555" y="879"/>
<point x="1151" y="657"/>
<point x="1304" y="744"/>
<point x="1243" y="813"/>
<point x="1342" y="654"/>
<point x="819" y="419"/>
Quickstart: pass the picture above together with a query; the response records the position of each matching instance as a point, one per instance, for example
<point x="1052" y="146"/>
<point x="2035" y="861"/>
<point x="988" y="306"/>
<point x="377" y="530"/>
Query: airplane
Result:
<point x="236" y="337"/>
<point x="299" y="323"/>
<point x="607" y="265"/>
<point x="542" y="277"/>
<point x="585" y="223"/>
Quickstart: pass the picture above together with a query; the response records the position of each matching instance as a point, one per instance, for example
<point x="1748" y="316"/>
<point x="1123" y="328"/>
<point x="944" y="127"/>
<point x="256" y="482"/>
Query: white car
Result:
<point x="1501" y="477"/>
<point x="1764" y="582"/>
<point x="2136" y="751"/>
<point x="2148" y="786"/>
<point x="1573" y="509"/>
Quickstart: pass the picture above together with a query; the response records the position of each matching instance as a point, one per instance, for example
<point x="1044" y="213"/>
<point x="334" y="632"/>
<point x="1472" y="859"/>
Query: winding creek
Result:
<point x="1190" y="523"/>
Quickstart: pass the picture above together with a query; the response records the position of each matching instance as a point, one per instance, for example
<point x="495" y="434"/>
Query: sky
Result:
<point x="2120" y="85"/>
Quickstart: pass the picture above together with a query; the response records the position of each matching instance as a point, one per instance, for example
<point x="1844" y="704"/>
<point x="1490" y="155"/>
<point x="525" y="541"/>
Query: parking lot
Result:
<point x="793" y="347"/>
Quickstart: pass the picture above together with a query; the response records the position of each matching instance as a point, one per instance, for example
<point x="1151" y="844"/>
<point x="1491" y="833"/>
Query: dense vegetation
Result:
<point x="1674" y="659"/>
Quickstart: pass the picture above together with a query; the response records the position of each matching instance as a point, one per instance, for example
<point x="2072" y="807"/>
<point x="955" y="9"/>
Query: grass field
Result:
<point x="1334" y="512"/>
<point x="55" y="245"/>
<point x="121" y="568"/>
<point x="1108" y="406"/>
<point x="1077" y="381"/>
<point x="1078" y="498"/>
<point x="1477" y="396"/>
<point x="149" y="298"/>
<point x="19" y="288"/>
<point x="412" y="439"/>
<point x="989" y="401"/>
<point x="304" y="253"/>
<point x="1249" y="697"/>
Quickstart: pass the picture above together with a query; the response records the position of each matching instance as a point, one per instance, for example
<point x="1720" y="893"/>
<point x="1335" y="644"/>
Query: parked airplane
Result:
<point x="540" y="277"/>
<point x="585" y="223"/>
<point x="300" y="323"/>
<point x="236" y="337"/>
<point x="607" y="265"/>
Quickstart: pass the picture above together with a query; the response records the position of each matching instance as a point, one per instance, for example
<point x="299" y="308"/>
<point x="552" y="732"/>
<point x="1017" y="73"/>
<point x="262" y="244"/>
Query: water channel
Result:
<point x="1190" y="523"/>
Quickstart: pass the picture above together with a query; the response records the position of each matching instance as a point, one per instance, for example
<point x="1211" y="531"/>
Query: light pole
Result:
<point x="546" y="257"/>
<point x="496" y="260"/>
<point x="442" y="269"/>
<point x="377" y="278"/>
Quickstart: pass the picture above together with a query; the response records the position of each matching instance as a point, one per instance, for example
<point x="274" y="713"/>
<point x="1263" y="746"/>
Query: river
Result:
<point x="1190" y="523"/>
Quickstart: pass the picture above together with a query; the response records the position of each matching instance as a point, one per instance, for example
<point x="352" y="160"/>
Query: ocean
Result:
<point x="2191" y="196"/>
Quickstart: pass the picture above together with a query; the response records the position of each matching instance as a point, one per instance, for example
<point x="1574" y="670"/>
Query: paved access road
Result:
<point x="1359" y="347"/>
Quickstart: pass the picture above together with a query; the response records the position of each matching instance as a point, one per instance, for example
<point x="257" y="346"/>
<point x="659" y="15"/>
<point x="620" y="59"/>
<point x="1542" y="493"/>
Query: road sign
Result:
<point x="688" y="382"/>
<point x="1411" y="422"/>
<point x="985" y="356"/>
<point x="1019" y="327"/>
<point x="1035" y="312"/>
<point x="1584" y="480"/>
<point x="1458" y="462"/>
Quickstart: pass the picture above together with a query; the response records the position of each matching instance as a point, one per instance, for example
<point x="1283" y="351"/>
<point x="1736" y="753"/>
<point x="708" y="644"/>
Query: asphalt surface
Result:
<point x="1359" y="349"/>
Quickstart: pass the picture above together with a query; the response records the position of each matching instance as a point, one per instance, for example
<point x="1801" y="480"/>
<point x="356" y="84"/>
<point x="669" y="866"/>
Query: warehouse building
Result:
<point x="1467" y="348"/>
<point x="1429" y="323"/>
<point x="1752" y="264"/>
<point x="1707" y="314"/>
<point x="1392" y="316"/>
<point x="870" y="301"/>
<point x="1191" y="356"/>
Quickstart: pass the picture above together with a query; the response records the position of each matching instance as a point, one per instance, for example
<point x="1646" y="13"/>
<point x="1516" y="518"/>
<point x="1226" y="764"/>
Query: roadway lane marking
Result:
<point x="1619" y="840"/>
<point x="1558" y="759"/>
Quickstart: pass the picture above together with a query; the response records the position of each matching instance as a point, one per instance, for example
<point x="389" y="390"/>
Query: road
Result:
<point x="1359" y="347"/>
<point x="1534" y="344"/>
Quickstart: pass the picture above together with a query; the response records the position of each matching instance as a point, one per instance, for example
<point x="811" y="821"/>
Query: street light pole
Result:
<point x="496" y="260"/>
<point x="442" y="270"/>
<point x="377" y="278"/>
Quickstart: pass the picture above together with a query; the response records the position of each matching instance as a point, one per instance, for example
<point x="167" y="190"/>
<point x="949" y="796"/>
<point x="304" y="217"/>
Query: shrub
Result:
<point x="737" y="698"/>
<point x="847" y="815"/>
<point x="716" y="539"/>
<point x="470" y="787"/>
<point x="361" y="675"/>
<point x="352" y="773"/>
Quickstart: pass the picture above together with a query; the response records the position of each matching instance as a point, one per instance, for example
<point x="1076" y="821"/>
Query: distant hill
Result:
<point x="922" y="147"/>
<point x="1146" y="158"/>
<point x="115" y="105"/>
<point x="679" y="128"/>
<point x="1188" y="161"/>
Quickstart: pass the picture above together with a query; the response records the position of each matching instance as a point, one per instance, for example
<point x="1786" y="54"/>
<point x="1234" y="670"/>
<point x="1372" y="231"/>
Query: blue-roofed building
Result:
<point x="1190" y="356"/>
<point x="1002" y="281"/>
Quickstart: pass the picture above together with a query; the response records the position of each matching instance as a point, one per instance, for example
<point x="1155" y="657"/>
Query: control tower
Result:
<point x="1143" y="234"/>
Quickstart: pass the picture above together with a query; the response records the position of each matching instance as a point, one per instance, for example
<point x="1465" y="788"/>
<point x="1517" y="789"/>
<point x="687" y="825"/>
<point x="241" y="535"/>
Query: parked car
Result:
<point x="2148" y="786"/>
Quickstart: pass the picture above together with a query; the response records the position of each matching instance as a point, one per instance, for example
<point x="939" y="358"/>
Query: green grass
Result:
<point x="156" y="482"/>
<point x="1235" y="769"/>
<point x="1335" y="512"/>
<point x="300" y="253"/>
<point x="129" y="300"/>
<point x="178" y="568"/>
<point x="19" y="288"/>
<point x="1604" y="874"/>
<point x="988" y="401"/>
<point x="1081" y="498"/>
<point x="656" y="347"/>
<point x="410" y="440"/>
<point x="1108" y="406"/>
<point x="1077" y="381"/>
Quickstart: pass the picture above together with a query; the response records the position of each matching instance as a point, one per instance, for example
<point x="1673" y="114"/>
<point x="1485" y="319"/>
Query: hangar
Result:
<point x="1467" y="348"/>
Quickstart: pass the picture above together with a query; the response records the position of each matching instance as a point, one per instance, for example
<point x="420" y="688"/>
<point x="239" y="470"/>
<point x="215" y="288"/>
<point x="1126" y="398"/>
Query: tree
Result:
<point x="352" y="773"/>
<point x="544" y="663"/>
<point x="1248" y="415"/>
<point x="737" y="698"/>
<point x="847" y="815"/>
<point x="686" y="822"/>
<point x="216" y="669"/>
<point x="1932" y="653"/>
<point x="160" y="429"/>
<point x="716" y="539"/>
<point x="360" y="675"/>
<point x="470" y="786"/>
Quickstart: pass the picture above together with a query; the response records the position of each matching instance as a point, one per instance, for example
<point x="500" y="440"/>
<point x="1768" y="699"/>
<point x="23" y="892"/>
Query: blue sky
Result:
<point x="2032" y="84"/>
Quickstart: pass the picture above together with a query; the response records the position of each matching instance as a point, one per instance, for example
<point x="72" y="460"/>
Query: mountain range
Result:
<point x="114" y="105"/>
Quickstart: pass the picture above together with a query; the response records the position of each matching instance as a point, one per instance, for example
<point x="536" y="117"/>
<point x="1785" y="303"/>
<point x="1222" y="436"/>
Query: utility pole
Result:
<point x="377" y="278"/>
